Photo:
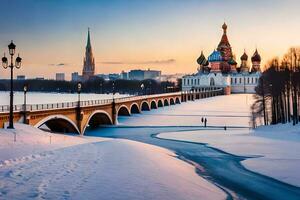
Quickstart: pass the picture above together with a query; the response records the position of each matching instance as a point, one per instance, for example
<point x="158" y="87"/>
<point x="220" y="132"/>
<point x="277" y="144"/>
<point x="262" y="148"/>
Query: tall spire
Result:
<point x="88" y="44"/>
<point x="224" y="27"/>
<point x="89" y="61"/>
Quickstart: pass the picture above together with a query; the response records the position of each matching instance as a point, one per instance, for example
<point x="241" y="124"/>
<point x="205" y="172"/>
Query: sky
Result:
<point x="168" y="35"/>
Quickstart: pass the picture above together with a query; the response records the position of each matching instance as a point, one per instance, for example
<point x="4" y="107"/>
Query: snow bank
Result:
<point x="74" y="167"/>
<point x="23" y="141"/>
<point x="275" y="149"/>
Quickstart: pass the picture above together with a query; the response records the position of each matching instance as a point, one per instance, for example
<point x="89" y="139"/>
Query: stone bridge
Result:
<point x="75" y="117"/>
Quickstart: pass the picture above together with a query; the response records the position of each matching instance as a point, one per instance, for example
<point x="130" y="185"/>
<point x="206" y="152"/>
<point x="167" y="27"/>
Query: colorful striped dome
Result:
<point x="215" y="57"/>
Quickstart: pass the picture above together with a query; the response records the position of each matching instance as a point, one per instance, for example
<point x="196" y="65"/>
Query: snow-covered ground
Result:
<point x="275" y="149"/>
<point x="231" y="110"/>
<point x="73" y="167"/>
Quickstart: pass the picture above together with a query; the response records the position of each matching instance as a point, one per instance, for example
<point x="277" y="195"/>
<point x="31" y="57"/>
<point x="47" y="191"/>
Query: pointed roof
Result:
<point x="201" y="60"/>
<point x="88" y="44"/>
<point x="256" y="57"/>
<point x="244" y="56"/>
<point x="224" y="40"/>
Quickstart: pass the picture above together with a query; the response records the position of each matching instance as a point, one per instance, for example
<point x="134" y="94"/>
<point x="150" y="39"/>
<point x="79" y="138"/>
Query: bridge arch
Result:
<point x="134" y="109"/>
<point x="59" y="124"/>
<point x="172" y="102"/>
<point x="153" y="104"/>
<point x="166" y="102"/>
<point x="145" y="106"/>
<point x="97" y="118"/>
<point x="177" y="100"/>
<point x="123" y="111"/>
<point x="160" y="103"/>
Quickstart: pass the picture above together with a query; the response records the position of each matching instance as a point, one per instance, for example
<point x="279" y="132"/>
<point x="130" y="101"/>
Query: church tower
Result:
<point x="256" y="60"/>
<point x="224" y="45"/>
<point x="244" y="63"/>
<point x="88" y="61"/>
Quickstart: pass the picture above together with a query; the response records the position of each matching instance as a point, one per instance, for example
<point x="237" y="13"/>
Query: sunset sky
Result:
<point x="158" y="34"/>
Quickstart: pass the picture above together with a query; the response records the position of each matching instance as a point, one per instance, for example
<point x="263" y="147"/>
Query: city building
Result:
<point x="113" y="76"/>
<point x="139" y="74"/>
<point x="60" y="76"/>
<point x="21" y="77"/>
<point x="152" y="74"/>
<point x="124" y="75"/>
<point x="220" y="69"/>
<point x="75" y="77"/>
<point x="136" y="74"/>
<point x="89" y="62"/>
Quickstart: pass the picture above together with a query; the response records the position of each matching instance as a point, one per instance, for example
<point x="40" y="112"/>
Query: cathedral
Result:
<point x="220" y="69"/>
<point x="88" y="62"/>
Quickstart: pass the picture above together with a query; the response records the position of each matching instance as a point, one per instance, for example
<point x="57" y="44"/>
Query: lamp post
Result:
<point x="25" y="105"/>
<point x="113" y="103"/>
<point x="101" y="88"/>
<point x="79" y="86"/>
<point x="113" y="90"/>
<point x="17" y="64"/>
<point x="142" y="87"/>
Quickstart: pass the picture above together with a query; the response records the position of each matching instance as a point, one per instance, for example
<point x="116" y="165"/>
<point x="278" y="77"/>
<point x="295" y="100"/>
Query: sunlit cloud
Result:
<point x="58" y="64"/>
<point x="152" y="62"/>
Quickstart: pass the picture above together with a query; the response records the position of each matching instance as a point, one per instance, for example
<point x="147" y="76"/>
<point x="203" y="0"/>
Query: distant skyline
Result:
<point x="167" y="35"/>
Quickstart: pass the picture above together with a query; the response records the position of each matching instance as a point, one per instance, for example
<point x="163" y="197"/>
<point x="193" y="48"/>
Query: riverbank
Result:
<point x="52" y="166"/>
<point x="273" y="151"/>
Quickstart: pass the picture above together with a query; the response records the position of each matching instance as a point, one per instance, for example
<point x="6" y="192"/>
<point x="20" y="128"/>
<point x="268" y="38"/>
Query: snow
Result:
<point x="273" y="150"/>
<point x="231" y="110"/>
<point x="78" y="167"/>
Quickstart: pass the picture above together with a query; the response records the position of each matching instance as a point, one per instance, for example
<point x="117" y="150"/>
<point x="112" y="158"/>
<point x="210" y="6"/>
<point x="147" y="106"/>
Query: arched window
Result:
<point x="212" y="82"/>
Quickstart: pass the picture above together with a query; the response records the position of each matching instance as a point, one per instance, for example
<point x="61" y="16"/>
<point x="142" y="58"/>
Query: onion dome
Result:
<point x="244" y="56"/>
<point x="256" y="57"/>
<point x="224" y="27"/>
<point x="232" y="62"/>
<point x="224" y="40"/>
<point x="215" y="57"/>
<point x="201" y="60"/>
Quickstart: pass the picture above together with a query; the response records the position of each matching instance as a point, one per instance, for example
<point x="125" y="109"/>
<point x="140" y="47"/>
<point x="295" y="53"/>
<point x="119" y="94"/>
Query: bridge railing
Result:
<point x="63" y="105"/>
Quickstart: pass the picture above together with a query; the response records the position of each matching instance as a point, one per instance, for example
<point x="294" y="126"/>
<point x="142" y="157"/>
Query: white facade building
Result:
<point x="220" y="70"/>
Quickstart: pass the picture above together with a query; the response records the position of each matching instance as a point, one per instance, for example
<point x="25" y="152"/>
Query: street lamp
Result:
<point x="113" y="90"/>
<point x="142" y="87"/>
<point x="101" y="88"/>
<point x="17" y="64"/>
<point x="79" y="86"/>
<point x="25" y="105"/>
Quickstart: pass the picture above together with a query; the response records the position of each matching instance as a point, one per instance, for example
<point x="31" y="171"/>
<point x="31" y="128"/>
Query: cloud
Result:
<point x="150" y="62"/>
<point x="58" y="64"/>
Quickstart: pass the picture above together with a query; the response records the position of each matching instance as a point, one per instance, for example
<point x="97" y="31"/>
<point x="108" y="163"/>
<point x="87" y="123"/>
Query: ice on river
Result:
<point x="275" y="149"/>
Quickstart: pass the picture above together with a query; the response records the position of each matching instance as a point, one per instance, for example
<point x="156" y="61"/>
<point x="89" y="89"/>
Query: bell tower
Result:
<point x="88" y="61"/>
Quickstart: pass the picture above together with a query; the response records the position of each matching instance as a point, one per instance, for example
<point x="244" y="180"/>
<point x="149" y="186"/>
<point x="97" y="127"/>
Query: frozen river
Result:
<point x="44" y="98"/>
<point x="223" y="169"/>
